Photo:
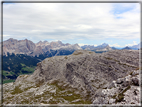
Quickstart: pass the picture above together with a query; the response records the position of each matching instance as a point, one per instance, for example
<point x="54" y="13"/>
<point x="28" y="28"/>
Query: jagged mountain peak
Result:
<point x="28" y="47"/>
<point x="11" y="40"/>
<point x="138" y="46"/>
<point x="127" y="47"/>
<point x="56" y="42"/>
<point x="42" y="42"/>
<point x="67" y="44"/>
<point x="76" y="44"/>
<point x="39" y="42"/>
<point x="45" y="41"/>
<point x="102" y="47"/>
<point x="104" y="44"/>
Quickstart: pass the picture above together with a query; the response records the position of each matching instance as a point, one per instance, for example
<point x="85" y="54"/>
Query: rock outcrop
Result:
<point x="122" y="91"/>
<point x="84" y="77"/>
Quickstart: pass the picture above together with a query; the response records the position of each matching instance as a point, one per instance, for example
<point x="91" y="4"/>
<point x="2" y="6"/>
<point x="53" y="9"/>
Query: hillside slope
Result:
<point x="73" y="79"/>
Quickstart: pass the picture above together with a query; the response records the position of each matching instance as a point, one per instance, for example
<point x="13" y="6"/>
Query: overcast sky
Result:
<point x="117" y="24"/>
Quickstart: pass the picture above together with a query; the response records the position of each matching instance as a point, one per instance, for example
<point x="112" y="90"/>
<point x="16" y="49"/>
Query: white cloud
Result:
<point x="82" y="44"/>
<point x="6" y="35"/>
<point x="114" y="45"/>
<point x="64" y="21"/>
<point x="134" y="43"/>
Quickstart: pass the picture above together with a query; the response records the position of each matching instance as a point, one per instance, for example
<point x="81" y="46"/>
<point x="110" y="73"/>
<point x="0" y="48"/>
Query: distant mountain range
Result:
<point x="136" y="47"/>
<point x="35" y="49"/>
<point x="103" y="47"/>
<point x="128" y="48"/>
<point x="106" y="47"/>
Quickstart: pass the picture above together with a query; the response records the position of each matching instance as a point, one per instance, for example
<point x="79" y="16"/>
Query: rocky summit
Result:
<point x="84" y="77"/>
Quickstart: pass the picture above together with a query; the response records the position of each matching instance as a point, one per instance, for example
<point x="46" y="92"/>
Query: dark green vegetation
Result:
<point x="8" y="81"/>
<point x="15" y="65"/>
<point x="56" y="53"/>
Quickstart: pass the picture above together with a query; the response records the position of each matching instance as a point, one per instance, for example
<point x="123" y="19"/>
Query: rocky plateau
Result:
<point x="84" y="77"/>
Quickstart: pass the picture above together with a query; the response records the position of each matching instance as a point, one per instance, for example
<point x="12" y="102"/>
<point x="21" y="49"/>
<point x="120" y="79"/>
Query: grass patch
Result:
<point x="138" y="68"/>
<point x="25" y="101"/>
<point x="53" y="102"/>
<point x="66" y="57"/>
<point x="39" y="83"/>
<point x="8" y="81"/>
<point x="61" y="87"/>
<point x="90" y="52"/>
<point x="43" y="61"/>
<point x="29" y="69"/>
<point x="23" y="65"/>
<point x="17" y="90"/>
<point x="131" y="73"/>
<point x="66" y="95"/>
<point x="108" y="58"/>
<point x="78" y="53"/>
<point x="7" y="73"/>
<point x="119" y="97"/>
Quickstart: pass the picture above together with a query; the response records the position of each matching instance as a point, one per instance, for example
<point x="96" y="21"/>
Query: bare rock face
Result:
<point x="18" y="47"/>
<point x="42" y="44"/>
<point x="38" y="50"/>
<point x="84" y="77"/>
<point x="56" y="44"/>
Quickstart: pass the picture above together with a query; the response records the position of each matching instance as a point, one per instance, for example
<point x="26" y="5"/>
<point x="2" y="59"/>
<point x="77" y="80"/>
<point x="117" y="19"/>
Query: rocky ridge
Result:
<point x="81" y="78"/>
<point x="28" y="47"/>
<point x="42" y="47"/>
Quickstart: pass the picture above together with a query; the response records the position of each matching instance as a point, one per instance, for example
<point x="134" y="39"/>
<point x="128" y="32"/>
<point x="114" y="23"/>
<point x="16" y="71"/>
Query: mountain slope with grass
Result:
<point x="15" y="65"/>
